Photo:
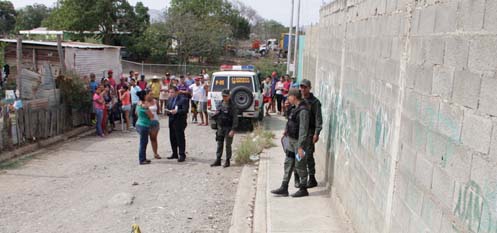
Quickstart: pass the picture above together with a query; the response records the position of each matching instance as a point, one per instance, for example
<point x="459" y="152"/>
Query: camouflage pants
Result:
<point x="222" y="137"/>
<point x="311" y="163"/>
<point x="300" y="168"/>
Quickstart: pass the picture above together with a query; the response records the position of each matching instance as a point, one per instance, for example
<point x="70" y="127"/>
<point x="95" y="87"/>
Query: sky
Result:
<point x="278" y="10"/>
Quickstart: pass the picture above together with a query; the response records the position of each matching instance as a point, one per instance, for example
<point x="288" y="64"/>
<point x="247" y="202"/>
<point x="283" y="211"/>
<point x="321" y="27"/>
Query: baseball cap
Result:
<point x="305" y="82"/>
<point x="110" y="72"/>
<point x="226" y="92"/>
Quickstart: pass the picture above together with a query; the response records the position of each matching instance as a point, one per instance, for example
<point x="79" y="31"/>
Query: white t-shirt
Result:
<point x="205" y="86"/>
<point x="163" y="91"/>
<point x="279" y="88"/>
<point x="197" y="92"/>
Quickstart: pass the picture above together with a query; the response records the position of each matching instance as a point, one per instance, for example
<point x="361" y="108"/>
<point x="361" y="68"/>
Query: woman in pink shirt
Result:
<point x="98" y="104"/>
<point x="286" y="87"/>
<point x="125" y="98"/>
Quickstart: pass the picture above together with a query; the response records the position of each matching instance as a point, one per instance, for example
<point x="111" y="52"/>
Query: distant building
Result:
<point x="83" y="58"/>
<point x="45" y="34"/>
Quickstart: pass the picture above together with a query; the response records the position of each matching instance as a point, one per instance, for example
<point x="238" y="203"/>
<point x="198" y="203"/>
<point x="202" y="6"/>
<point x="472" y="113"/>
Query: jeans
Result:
<point x="100" y="115"/>
<point x="133" y="115"/>
<point x="144" y="132"/>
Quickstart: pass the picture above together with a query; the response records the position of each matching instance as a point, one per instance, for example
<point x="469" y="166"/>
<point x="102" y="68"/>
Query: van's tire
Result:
<point x="242" y="97"/>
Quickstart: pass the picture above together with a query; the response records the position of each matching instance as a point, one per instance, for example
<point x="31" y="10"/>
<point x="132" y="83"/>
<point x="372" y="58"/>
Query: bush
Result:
<point x="267" y="65"/>
<point x="74" y="92"/>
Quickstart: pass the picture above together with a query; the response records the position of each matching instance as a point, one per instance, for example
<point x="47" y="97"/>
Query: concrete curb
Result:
<point x="241" y="220"/>
<point x="261" y="201"/>
<point x="30" y="148"/>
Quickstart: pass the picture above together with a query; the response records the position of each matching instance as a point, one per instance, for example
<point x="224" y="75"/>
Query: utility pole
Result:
<point x="19" y="65"/>
<point x="62" y="58"/>
<point x="296" y="52"/>
<point x="289" y="53"/>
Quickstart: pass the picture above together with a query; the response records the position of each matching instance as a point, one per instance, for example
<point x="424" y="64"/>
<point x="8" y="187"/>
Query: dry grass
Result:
<point x="254" y="144"/>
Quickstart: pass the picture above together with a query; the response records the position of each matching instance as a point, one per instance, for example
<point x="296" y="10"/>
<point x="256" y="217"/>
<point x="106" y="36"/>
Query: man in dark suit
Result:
<point x="177" y="110"/>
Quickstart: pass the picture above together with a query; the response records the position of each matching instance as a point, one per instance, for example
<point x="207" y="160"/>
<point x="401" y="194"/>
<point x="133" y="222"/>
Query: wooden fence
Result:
<point x="33" y="123"/>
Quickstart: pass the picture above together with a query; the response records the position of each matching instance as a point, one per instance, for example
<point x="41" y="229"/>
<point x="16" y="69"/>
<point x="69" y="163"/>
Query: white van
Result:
<point x="245" y="89"/>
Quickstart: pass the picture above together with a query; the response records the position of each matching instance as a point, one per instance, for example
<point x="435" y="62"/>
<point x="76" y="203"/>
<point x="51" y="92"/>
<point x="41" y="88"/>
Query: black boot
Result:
<point x="216" y="163"/>
<point x="283" y="190"/>
<point x="227" y="163"/>
<point x="312" y="182"/>
<point x="301" y="193"/>
<point x="297" y="180"/>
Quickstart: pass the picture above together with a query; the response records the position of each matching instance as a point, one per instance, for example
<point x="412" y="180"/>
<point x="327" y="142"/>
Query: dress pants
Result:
<point x="177" y="138"/>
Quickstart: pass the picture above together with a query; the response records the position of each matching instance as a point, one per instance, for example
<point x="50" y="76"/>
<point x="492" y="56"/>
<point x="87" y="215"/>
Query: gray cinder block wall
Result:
<point x="409" y="94"/>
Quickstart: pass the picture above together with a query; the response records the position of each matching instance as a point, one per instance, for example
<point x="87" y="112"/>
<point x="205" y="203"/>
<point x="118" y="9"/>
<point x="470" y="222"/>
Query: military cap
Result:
<point x="226" y="92"/>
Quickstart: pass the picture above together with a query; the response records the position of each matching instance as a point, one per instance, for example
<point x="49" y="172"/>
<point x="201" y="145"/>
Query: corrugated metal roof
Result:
<point x="68" y="44"/>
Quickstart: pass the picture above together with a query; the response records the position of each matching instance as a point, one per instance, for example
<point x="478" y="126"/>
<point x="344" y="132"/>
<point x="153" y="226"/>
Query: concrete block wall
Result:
<point x="409" y="95"/>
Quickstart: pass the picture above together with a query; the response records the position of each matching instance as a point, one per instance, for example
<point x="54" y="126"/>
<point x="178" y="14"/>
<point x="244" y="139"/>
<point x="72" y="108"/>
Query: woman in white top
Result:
<point x="154" y="125"/>
<point x="202" y="109"/>
<point x="279" y="93"/>
<point x="163" y="94"/>
<point x="205" y="75"/>
<point x="198" y="93"/>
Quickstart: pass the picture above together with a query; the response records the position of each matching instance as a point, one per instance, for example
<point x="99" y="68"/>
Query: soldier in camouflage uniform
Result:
<point x="315" y="127"/>
<point x="226" y="119"/>
<point x="298" y="137"/>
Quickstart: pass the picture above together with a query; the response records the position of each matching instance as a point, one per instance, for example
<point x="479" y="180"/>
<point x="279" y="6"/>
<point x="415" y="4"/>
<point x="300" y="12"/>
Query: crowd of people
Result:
<point x="138" y="104"/>
<point x="275" y="93"/>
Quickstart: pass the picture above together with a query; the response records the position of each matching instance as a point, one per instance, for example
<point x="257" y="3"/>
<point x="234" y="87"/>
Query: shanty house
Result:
<point x="83" y="58"/>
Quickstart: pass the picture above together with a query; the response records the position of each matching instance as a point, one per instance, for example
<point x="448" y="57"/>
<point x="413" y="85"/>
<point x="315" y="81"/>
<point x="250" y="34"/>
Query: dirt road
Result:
<point x="96" y="185"/>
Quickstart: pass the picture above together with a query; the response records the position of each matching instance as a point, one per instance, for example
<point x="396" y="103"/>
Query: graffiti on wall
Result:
<point x="436" y="120"/>
<point x="475" y="210"/>
<point x="371" y="130"/>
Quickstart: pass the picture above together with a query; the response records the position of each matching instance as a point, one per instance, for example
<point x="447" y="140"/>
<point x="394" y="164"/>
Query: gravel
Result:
<point x="96" y="185"/>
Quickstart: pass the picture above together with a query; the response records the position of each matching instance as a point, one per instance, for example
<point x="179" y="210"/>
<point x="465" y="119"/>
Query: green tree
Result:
<point x="74" y="15"/>
<point x="142" y="20"/>
<point x="240" y="27"/>
<point x="214" y="10"/>
<point x="267" y="29"/>
<point x="31" y="16"/>
<point x="106" y="16"/>
<point x="7" y="17"/>
<point x="201" y="27"/>
<point x="197" y="36"/>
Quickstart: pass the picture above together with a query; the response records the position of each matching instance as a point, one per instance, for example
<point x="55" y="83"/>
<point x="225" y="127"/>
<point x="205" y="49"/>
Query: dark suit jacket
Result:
<point x="179" y="119"/>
